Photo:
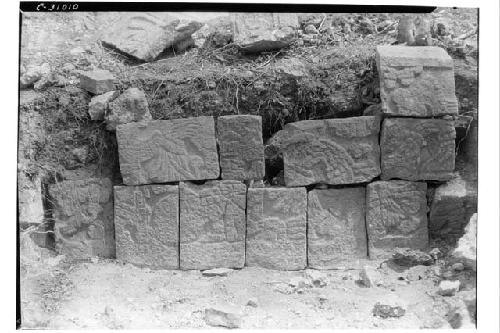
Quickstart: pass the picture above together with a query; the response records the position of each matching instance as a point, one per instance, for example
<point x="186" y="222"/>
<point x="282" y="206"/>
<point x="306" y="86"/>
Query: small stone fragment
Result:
<point x="253" y="302"/>
<point x="310" y="29"/>
<point x="168" y="150"/>
<point x="388" y="311"/>
<point x="317" y="278"/>
<point x="131" y="106"/>
<point x="220" y="318"/>
<point x="216" y="272"/>
<point x="276" y="228"/>
<point x="97" y="82"/>
<point x="98" y="105"/>
<point x="411" y="257"/>
<point x="448" y="288"/>
<point x="458" y="266"/>
<point x="241" y="147"/>
<point x="33" y="74"/>
<point x="396" y="216"/>
<point x="417" y="149"/>
<point x="416" y="82"/>
<point x="370" y="277"/>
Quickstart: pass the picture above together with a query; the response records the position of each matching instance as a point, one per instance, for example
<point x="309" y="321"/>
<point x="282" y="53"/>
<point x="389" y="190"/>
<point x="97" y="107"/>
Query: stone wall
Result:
<point x="193" y="195"/>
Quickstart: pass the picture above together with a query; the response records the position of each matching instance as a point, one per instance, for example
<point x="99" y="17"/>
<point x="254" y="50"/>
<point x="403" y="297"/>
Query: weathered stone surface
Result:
<point x="465" y="252"/>
<point x="257" y="32"/>
<point x="417" y="149"/>
<point x="276" y="228"/>
<point x="212" y="225"/>
<point x="452" y="206"/>
<point x="336" y="227"/>
<point x="241" y="147"/>
<point x="29" y="197"/>
<point x="331" y="151"/>
<point x="99" y="104"/>
<point x="147" y="225"/>
<point x="168" y="150"/>
<point x="222" y="317"/>
<point x="131" y="106"/>
<point x="83" y="214"/>
<point x="388" y="311"/>
<point x="416" y="81"/>
<point x="411" y="257"/>
<point x="396" y="216"/>
<point x="97" y="82"/>
<point x="144" y="36"/>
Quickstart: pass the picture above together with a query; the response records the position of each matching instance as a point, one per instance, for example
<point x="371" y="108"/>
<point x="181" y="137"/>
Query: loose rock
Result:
<point x="388" y="311"/>
<point x="98" y="105"/>
<point x="220" y="318"/>
<point x="317" y="278"/>
<point x="370" y="277"/>
<point x="216" y="272"/>
<point x="252" y="302"/>
<point x="448" y="288"/>
<point x="131" y="106"/>
<point x="465" y="252"/>
<point x="97" y="82"/>
<point x="410" y="257"/>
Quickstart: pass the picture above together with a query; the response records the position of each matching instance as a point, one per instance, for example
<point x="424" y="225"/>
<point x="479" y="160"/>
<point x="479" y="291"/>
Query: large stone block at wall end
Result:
<point x="241" y="147"/>
<point x="276" y="228"/>
<point x="83" y="215"/>
<point x="212" y="225"/>
<point x="331" y="151"/>
<point x="396" y="216"/>
<point x="163" y="151"/>
<point x="257" y="32"/>
<point x="416" y="81"/>
<point x="417" y="149"/>
<point x="453" y="204"/>
<point x="336" y="227"/>
<point x="147" y="225"/>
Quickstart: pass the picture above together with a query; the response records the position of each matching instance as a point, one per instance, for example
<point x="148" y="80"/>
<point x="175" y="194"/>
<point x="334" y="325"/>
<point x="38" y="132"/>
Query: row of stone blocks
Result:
<point x="331" y="151"/>
<point x="221" y="224"/>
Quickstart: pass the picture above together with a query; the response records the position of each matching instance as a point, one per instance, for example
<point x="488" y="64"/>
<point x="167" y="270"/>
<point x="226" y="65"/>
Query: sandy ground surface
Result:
<point x="110" y="294"/>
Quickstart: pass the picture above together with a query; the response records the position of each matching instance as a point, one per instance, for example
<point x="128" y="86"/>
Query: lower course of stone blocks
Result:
<point x="276" y="228"/>
<point x="147" y="225"/>
<point x="212" y="225"/>
<point x="83" y="214"/>
<point x="336" y="227"/>
<point x="396" y="216"/>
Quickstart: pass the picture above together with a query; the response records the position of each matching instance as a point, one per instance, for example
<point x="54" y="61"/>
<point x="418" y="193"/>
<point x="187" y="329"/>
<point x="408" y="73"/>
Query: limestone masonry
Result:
<point x="396" y="216"/>
<point x="331" y="151"/>
<point x="416" y="81"/>
<point x="195" y="193"/>
<point x="417" y="149"/>
<point x="336" y="227"/>
<point x="147" y="225"/>
<point x="212" y="225"/>
<point x="163" y="151"/>
<point x="241" y="147"/>
<point x="276" y="228"/>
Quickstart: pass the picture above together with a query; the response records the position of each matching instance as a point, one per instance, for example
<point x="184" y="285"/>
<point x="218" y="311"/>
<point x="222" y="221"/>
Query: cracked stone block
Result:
<point x="336" y="227"/>
<point x="131" y="106"/>
<point x="97" y="82"/>
<point x="83" y="215"/>
<point x="331" y="151"/>
<point x="212" y="225"/>
<point x="416" y="81"/>
<point x="452" y="206"/>
<point x="276" y="228"/>
<point x="164" y="151"/>
<point x="147" y="225"/>
<point x="241" y="147"/>
<point x="417" y="149"/>
<point x="257" y="32"/>
<point x="396" y="216"/>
